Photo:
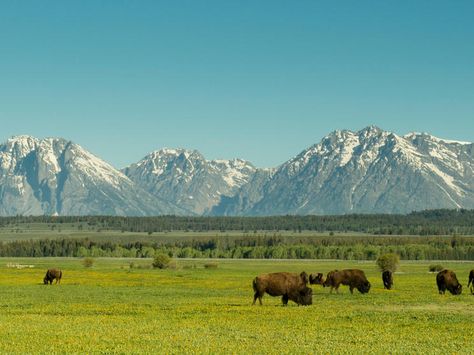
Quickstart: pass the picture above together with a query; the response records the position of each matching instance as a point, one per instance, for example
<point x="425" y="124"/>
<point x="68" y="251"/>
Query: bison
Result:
<point x="316" y="279"/>
<point x="471" y="281"/>
<point x="290" y="286"/>
<point x="353" y="278"/>
<point x="447" y="280"/>
<point x="387" y="278"/>
<point x="52" y="274"/>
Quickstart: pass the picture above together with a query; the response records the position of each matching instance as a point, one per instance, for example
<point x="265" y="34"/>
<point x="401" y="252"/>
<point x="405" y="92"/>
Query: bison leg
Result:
<point x="255" y="296"/>
<point x="351" y="288"/>
<point x="284" y="300"/>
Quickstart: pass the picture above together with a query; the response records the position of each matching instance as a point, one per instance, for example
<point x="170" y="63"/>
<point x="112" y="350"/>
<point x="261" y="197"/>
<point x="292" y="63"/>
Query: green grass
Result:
<point x="112" y="308"/>
<point x="37" y="231"/>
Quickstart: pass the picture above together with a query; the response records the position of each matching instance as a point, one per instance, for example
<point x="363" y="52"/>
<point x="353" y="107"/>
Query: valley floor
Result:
<point x="111" y="307"/>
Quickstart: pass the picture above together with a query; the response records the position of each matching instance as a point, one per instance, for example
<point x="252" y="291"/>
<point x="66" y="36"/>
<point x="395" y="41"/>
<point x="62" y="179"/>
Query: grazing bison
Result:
<point x="316" y="279"/>
<point x="387" y="278"/>
<point x="447" y="280"/>
<point x="353" y="278"/>
<point x="290" y="286"/>
<point x="471" y="281"/>
<point x="52" y="274"/>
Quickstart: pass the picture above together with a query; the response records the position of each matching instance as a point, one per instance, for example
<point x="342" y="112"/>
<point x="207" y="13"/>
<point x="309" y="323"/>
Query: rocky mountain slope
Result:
<point x="188" y="179"/>
<point x="369" y="171"/>
<point x="54" y="176"/>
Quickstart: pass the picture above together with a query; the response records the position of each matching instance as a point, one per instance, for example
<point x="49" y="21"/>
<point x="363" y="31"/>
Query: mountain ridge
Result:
<point x="365" y="171"/>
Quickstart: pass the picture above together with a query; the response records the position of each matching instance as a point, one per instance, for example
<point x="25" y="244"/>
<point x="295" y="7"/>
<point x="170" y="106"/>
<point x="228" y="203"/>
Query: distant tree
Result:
<point x="388" y="262"/>
<point x="161" y="261"/>
<point x="87" y="262"/>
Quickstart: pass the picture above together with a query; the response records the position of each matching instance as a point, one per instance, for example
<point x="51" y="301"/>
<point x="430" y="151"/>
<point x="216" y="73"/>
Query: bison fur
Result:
<point x="52" y="274"/>
<point x="471" y="281"/>
<point x="290" y="286"/>
<point x="316" y="279"/>
<point x="447" y="280"/>
<point x="353" y="278"/>
<point x="387" y="278"/>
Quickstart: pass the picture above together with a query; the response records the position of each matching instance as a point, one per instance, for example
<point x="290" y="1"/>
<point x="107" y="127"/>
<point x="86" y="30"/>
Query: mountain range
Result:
<point x="368" y="171"/>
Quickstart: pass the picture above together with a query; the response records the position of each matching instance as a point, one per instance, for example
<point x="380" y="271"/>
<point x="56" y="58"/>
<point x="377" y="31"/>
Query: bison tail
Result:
<point x="254" y="284"/>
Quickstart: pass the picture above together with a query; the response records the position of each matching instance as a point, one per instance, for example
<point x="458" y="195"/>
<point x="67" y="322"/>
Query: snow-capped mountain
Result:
<point x="366" y="171"/>
<point x="54" y="176"/>
<point x="369" y="171"/>
<point x="188" y="179"/>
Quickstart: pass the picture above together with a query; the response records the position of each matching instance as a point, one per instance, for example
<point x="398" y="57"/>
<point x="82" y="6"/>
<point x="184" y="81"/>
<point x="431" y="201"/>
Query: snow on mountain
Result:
<point x="369" y="171"/>
<point x="188" y="179"/>
<point x="57" y="177"/>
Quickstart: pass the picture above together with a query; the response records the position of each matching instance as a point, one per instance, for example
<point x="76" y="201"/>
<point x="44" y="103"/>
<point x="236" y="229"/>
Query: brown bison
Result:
<point x="290" y="286"/>
<point x="447" y="280"/>
<point x="353" y="278"/>
<point x="316" y="279"/>
<point x="387" y="278"/>
<point x="52" y="274"/>
<point x="471" y="281"/>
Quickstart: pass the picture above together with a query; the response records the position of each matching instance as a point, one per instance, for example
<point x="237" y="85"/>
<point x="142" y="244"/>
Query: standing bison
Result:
<point x="471" y="281"/>
<point x="447" y="280"/>
<point x="353" y="278"/>
<point x="52" y="274"/>
<point x="387" y="278"/>
<point x="290" y="286"/>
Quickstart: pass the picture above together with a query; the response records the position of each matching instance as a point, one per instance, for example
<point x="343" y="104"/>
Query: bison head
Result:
<point x="45" y="280"/>
<point x="305" y="296"/>
<point x="304" y="277"/>
<point x="329" y="277"/>
<point x="457" y="290"/>
<point x="364" y="287"/>
<point x="316" y="279"/>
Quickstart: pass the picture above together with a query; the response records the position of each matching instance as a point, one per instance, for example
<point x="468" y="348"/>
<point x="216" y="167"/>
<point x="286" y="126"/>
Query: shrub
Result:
<point x="161" y="261"/>
<point x="388" y="262"/>
<point x="435" y="267"/>
<point x="87" y="262"/>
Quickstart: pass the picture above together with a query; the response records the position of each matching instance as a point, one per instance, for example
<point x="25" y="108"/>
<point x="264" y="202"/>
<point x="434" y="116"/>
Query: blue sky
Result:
<point x="260" y="80"/>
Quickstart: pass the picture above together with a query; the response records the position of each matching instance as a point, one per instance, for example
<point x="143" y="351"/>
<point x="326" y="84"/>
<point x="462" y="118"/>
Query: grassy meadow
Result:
<point x="111" y="307"/>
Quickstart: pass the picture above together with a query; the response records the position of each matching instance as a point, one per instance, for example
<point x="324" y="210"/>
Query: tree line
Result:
<point x="254" y="247"/>
<point x="431" y="222"/>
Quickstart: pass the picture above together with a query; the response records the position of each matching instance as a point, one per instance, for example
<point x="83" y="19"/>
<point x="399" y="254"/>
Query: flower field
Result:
<point x="111" y="307"/>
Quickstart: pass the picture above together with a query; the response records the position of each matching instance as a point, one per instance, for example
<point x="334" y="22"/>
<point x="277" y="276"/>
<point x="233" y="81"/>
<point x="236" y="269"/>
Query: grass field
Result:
<point x="112" y="308"/>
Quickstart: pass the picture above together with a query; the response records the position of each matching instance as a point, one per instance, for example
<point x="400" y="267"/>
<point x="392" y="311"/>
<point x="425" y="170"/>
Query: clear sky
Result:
<point x="259" y="80"/>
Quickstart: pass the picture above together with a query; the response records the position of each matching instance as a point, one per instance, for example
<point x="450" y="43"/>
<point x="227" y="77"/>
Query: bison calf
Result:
<point x="290" y="286"/>
<point x="471" y="281"/>
<point x="387" y="278"/>
<point x="447" y="280"/>
<point x="52" y="274"/>
<point x="353" y="278"/>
